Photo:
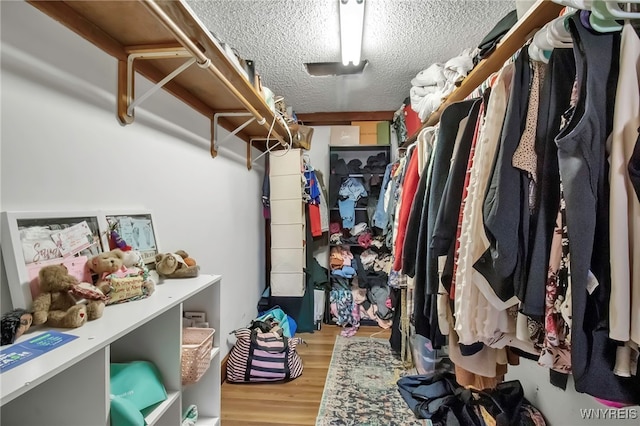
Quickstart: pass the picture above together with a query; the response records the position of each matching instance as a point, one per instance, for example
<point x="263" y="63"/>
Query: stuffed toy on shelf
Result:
<point x="14" y="324"/>
<point x="56" y="305"/>
<point x="176" y="265"/>
<point x="122" y="276"/>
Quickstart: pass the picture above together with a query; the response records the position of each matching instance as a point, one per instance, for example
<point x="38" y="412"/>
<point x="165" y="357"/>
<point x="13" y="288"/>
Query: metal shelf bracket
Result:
<point x="250" y="161"/>
<point x="214" y="127"/>
<point x="126" y="71"/>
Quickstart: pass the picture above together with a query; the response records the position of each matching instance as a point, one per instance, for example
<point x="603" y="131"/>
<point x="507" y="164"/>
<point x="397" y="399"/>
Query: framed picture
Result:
<point x="134" y="230"/>
<point x="32" y="240"/>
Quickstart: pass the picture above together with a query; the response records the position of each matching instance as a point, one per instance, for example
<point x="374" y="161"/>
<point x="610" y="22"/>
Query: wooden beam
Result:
<point x="342" y="118"/>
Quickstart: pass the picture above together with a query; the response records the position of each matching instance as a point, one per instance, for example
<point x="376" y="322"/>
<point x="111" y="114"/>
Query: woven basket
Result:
<point x="196" y="353"/>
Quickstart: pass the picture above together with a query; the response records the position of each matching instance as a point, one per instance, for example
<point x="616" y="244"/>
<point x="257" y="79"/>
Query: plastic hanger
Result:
<point x="537" y="54"/>
<point x="541" y="39"/>
<point x="557" y="34"/>
<point x="306" y="163"/>
<point x="552" y="35"/>
<point x="601" y="20"/>
<point x="613" y="8"/>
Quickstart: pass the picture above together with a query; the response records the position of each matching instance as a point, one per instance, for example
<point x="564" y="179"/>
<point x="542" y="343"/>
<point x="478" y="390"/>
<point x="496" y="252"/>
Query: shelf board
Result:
<point x="157" y="413"/>
<point x="535" y="18"/>
<point x="214" y="352"/>
<point x="116" y="321"/>
<point x="362" y="175"/>
<point x="359" y="147"/>
<point x="208" y="421"/>
<point x="117" y="27"/>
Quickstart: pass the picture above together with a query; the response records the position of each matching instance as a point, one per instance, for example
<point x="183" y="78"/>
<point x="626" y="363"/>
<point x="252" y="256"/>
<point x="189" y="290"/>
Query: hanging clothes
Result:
<point x="503" y="260"/>
<point x="324" y="207"/>
<point x="581" y="154"/>
<point x="445" y="227"/>
<point x="624" y="208"/>
<point x="409" y="188"/>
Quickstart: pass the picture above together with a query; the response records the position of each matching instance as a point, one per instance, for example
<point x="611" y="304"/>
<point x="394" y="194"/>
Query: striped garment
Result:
<point x="263" y="357"/>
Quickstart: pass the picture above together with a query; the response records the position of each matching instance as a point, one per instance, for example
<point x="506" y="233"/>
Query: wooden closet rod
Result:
<point x="535" y="18"/>
<point x="186" y="42"/>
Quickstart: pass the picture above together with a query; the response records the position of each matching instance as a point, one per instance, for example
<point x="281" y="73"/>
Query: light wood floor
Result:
<point x="294" y="403"/>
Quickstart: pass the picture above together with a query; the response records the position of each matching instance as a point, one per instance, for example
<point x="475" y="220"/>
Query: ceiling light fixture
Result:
<point x="351" y="28"/>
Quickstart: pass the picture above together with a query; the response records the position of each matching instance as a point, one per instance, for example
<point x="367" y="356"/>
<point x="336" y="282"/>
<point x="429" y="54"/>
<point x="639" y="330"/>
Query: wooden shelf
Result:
<point x="536" y="17"/>
<point x="122" y="27"/>
<point x="356" y="148"/>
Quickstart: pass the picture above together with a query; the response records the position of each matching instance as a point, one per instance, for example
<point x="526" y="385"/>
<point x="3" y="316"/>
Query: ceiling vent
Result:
<point x="328" y="69"/>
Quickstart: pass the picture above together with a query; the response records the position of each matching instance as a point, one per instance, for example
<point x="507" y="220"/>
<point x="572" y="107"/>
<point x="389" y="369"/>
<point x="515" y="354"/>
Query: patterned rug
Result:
<point x="361" y="386"/>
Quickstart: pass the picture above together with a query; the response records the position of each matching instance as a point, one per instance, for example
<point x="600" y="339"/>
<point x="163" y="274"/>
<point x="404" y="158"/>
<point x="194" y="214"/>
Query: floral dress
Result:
<point x="556" y="347"/>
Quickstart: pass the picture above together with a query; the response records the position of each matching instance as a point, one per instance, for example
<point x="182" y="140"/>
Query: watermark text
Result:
<point x="629" y="413"/>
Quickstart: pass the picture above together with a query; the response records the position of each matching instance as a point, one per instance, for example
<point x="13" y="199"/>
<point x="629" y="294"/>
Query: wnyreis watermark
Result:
<point x="629" y="413"/>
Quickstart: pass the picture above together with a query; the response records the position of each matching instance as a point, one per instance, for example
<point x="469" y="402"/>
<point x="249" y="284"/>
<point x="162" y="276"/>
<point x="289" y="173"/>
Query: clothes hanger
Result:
<point x="541" y="40"/>
<point x="614" y="10"/>
<point x="306" y="163"/>
<point x="554" y="34"/>
<point x="601" y="19"/>
<point x="557" y="33"/>
<point x="537" y="54"/>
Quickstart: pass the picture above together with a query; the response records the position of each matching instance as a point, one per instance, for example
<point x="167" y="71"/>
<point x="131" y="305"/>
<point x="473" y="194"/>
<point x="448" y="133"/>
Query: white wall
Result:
<point x="566" y="408"/>
<point x="63" y="149"/>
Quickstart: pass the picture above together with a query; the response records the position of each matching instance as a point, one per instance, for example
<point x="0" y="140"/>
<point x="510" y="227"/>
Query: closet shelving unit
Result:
<point x="165" y="42"/>
<point x="348" y="153"/>
<point x="535" y="18"/>
<point x="359" y="152"/>
<point x="70" y="384"/>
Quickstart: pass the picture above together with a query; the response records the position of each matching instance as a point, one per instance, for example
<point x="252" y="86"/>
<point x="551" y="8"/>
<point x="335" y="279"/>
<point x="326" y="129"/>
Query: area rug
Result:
<point x="361" y="386"/>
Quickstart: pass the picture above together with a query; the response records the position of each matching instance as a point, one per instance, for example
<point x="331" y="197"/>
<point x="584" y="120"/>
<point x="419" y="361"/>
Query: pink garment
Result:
<point x="364" y="240"/>
<point x="335" y="228"/>
<point x="347" y="257"/>
<point x="613" y="404"/>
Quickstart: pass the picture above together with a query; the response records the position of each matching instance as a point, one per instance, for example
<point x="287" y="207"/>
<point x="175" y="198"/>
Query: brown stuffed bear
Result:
<point x="105" y="264"/>
<point x="176" y="265"/>
<point x="55" y="305"/>
<point x="116" y="267"/>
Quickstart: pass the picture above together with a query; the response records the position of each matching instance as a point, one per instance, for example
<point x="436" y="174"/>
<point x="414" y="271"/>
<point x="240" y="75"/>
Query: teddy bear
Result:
<point x="114" y="267"/>
<point x="176" y="265"/>
<point x="56" y="306"/>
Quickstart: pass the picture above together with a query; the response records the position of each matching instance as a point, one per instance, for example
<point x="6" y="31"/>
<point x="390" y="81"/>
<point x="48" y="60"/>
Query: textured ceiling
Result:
<point x="401" y="38"/>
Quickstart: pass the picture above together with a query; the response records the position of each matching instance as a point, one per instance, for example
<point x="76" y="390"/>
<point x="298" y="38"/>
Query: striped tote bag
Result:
<point x="263" y="357"/>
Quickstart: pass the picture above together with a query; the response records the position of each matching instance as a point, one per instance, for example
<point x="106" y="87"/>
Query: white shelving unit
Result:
<point x="70" y="384"/>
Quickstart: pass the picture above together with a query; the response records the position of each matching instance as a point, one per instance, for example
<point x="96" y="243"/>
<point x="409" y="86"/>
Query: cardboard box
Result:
<point x="345" y="136"/>
<point x="370" y="139"/>
<point x="368" y="132"/>
<point x="384" y="133"/>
